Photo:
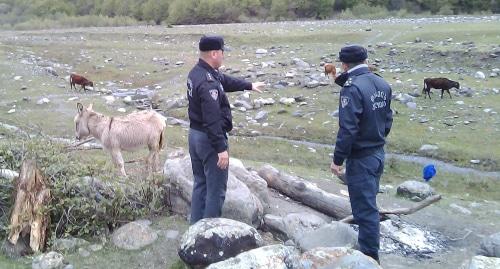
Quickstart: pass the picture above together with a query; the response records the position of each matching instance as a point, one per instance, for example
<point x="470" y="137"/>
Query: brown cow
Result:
<point x="80" y="80"/>
<point x="443" y="84"/>
<point x="330" y="69"/>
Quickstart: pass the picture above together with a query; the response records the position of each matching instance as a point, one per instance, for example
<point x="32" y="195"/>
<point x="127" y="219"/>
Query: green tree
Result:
<point x="155" y="10"/>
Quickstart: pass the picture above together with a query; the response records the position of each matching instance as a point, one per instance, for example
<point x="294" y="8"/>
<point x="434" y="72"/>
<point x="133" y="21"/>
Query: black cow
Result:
<point x="438" y="83"/>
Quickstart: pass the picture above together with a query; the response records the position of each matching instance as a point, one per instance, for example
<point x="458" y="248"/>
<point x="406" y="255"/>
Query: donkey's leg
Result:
<point x="118" y="161"/>
<point x="150" y="161"/>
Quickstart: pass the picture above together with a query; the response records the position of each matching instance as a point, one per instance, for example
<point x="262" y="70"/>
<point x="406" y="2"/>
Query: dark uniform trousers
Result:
<point x="363" y="177"/>
<point x="209" y="186"/>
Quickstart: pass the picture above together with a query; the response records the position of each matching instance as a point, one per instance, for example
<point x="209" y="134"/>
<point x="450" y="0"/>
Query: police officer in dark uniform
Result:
<point x="210" y="120"/>
<point x="365" y="120"/>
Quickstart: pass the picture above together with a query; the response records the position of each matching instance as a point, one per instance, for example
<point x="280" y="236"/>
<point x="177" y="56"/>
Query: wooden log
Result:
<point x="401" y="211"/>
<point x="28" y="216"/>
<point x="309" y="194"/>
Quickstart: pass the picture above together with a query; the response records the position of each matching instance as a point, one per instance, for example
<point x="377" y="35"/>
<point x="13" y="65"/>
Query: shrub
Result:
<point x="77" y="208"/>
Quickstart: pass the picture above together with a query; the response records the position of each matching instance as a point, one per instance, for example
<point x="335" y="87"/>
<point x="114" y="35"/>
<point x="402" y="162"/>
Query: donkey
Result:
<point x="144" y="128"/>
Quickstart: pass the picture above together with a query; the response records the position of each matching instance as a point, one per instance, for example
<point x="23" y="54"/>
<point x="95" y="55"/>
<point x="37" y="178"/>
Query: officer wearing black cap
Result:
<point x="365" y="120"/>
<point x="210" y="120"/>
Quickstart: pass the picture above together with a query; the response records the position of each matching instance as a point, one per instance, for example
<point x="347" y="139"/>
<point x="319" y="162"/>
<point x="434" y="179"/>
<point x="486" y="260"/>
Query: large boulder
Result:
<point x="134" y="235"/>
<point x="254" y="182"/>
<point x="332" y="257"/>
<point x="335" y="234"/>
<point x="274" y="256"/>
<point x="412" y="188"/>
<point x="482" y="262"/>
<point x="216" y="239"/>
<point x="240" y="203"/>
<point x="490" y="246"/>
<point x="293" y="225"/>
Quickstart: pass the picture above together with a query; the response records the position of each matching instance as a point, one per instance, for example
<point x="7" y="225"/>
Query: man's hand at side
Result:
<point x="223" y="161"/>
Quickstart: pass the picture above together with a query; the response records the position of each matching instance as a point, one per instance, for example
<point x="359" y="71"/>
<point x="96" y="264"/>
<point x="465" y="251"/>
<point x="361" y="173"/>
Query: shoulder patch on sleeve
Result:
<point x="344" y="101"/>
<point x="214" y="93"/>
<point x="190" y="87"/>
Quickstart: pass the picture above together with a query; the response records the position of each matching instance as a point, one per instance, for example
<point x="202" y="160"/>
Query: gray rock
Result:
<point x="216" y="239"/>
<point x="171" y="234"/>
<point x="240" y="204"/>
<point x="264" y="101"/>
<point x="465" y="91"/>
<point x="21" y="248"/>
<point x="337" y="257"/>
<point x="294" y="225"/>
<point x="134" y="235"/>
<point x="490" y="246"/>
<point x="428" y="148"/>
<point x="51" y="260"/>
<point x="95" y="247"/>
<point x="482" y="262"/>
<point x="261" y="51"/>
<point x="479" y="75"/>
<point x="273" y="256"/>
<point x="412" y="188"/>
<point x="242" y="103"/>
<point x="300" y="63"/>
<point x="460" y="209"/>
<point x="251" y="179"/>
<point x="43" y="101"/>
<point x="261" y="116"/>
<point x="312" y="84"/>
<point x="83" y="252"/>
<point x="68" y="244"/>
<point x="411" y="105"/>
<point x="287" y="100"/>
<point x="335" y="234"/>
<point x="176" y="103"/>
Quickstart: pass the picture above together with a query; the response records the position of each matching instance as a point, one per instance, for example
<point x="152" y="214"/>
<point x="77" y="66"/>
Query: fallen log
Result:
<point x="307" y="193"/>
<point x="28" y="216"/>
<point x="401" y="211"/>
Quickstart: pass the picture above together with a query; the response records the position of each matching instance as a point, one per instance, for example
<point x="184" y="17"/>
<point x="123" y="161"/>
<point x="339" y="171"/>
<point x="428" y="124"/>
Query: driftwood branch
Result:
<point x="307" y="193"/>
<point x="80" y="143"/>
<point x="401" y="211"/>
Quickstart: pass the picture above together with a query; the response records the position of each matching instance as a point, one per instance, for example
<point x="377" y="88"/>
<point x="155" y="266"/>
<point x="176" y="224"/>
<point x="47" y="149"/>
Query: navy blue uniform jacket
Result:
<point x="365" y="115"/>
<point x="209" y="109"/>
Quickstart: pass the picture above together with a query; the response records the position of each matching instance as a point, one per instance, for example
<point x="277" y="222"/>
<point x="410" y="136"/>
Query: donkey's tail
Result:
<point x="161" y="143"/>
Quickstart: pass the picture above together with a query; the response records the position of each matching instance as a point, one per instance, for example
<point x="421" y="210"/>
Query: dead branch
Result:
<point x="401" y="211"/>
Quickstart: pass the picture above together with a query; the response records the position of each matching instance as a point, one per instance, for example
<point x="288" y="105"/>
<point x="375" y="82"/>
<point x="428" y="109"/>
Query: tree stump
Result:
<point x="32" y="193"/>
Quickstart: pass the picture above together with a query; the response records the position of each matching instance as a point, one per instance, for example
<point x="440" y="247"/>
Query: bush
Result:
<point x="77" y="208"/>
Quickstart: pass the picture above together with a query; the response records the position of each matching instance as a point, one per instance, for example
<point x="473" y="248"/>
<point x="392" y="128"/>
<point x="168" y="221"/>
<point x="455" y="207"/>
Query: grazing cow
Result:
<point x="138" y="129"/>
<point x="438" y="83"/>
<point x="330" y="69"/>
<point x="77" y="79"/>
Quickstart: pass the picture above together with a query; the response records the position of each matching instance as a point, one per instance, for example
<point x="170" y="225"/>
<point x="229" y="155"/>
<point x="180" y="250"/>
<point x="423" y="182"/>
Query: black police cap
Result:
<point x="353" y="54"/>
<point x="208" y="43"/>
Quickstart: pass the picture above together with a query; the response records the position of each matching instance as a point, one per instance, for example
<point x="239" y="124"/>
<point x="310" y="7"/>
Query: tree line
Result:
<point x="225" y="11"/>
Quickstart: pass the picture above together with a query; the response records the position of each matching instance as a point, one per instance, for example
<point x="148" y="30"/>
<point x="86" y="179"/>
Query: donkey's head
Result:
<point x="81" y="121"/>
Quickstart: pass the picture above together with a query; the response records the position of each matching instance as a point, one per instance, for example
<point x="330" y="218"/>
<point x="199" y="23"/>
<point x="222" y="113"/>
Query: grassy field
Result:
<point x="122" y="58"/>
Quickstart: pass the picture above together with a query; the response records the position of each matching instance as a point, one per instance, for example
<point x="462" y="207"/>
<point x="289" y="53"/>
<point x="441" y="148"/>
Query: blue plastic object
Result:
<point x="429" y="172"/>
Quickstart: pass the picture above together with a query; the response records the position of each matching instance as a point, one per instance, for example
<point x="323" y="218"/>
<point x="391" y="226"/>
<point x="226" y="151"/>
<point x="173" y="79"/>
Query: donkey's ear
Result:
<point x="79" y="107"/>
<point x="90" y="107"/>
